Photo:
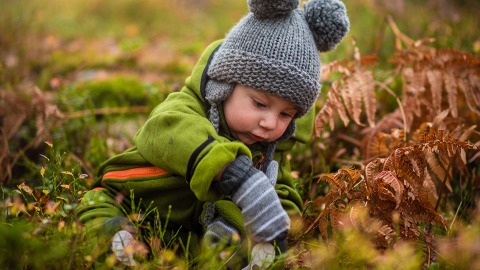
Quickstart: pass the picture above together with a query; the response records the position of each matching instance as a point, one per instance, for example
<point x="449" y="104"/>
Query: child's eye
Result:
<point x="285" y="114"/>
<point x="259" y="104"/>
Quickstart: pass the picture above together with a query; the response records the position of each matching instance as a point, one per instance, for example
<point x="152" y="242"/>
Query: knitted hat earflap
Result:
<point x="216" y="94"/>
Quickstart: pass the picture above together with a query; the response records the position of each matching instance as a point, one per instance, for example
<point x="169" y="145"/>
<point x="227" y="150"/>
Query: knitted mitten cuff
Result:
<point x="233" y="175"/>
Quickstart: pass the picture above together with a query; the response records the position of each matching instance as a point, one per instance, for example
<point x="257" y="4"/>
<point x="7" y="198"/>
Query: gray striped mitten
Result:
<point x="220" y="231"/>
<point x="254" y="193"/>
<point x="272" y="172"/>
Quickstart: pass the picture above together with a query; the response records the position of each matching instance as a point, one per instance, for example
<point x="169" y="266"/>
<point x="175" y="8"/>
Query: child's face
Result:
<point x="254" y="115"/>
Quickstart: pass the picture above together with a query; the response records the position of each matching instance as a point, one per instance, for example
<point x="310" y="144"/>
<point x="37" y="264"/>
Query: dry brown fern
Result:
<point x="355" y="89"/>
<point x="409" y="167"/>
<point x="16" y="109"/>
<point x="334" y="202"/>
<point x="433" y="81"/>
<point x="411" y="155"/>
<point x="399" y="189"/>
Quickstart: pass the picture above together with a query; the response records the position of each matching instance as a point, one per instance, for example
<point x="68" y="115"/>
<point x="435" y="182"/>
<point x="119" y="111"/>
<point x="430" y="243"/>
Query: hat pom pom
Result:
<point x="266" y="9"/>
<point x="328" y="22"/>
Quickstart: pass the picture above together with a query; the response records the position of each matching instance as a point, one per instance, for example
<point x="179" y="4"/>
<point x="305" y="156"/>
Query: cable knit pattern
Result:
<point x="275" y="48"/>
<point x="271" y="8"/>
<point x="328" y="21"/>
<point x="277" y="55"/>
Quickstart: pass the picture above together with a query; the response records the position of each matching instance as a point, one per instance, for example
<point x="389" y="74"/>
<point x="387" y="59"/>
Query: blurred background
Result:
<point x="52" y="38"/>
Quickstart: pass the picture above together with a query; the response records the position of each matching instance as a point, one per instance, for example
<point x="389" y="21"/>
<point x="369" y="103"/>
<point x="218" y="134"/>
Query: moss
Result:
<point x="118" y="91"/>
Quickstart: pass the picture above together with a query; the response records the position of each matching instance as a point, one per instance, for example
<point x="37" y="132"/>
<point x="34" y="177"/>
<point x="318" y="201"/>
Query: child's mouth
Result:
<point x="256" y="138"/>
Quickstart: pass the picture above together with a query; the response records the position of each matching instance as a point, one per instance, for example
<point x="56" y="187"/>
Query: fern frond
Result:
<point x="389" y="187"/>
<point x="469" y="86"/>
<point x="451" y="88"/>
<point x="335" y="214"/>
<point x="409" y="166"/>
<point x="367" y="88"/>
<point x="352" y="97"/>
<point x="434" y="77"/>
<point x="383" y="144"/>
<point x="333" y="179"/>
<point x="333" y="104"/>
<point x="371" y="170"/>
<point x="438" y="166"/>
<point x="350" y="176"/>
<point x="430" y="190"/>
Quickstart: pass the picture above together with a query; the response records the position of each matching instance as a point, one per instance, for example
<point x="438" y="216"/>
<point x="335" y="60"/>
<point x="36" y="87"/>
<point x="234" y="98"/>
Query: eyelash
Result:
<point x="260" y="104"/>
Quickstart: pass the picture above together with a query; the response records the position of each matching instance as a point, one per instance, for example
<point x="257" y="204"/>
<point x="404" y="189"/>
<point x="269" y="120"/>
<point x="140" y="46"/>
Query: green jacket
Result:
<point x="175" y="157"/>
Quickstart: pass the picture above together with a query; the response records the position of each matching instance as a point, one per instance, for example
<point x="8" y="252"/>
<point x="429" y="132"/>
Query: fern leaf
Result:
<point x="332" y="105"/>
<point x="439" y="120"/>
<point x="468" y="87"/>
<point x="352" y="97"/>
<point x="434" y="78"/>
<point x="325" y="115"/>
<point x="466" y="133"/>
<point x="371" y="170"/>
<point x="438" y="167"/>
<point x="410" y="166"/>
<point x="389" y="187"/>
<point x="428" y="187"/>
<point x="336" y="214"/>
<point x="383" y="144"/>
<point x="388" y="235"/>
<point x="451" y="88"/>
<point x="334" y="180"/>
<point x="323" y="227"/>
<point x="350" y="176"/>
<point x="369" y="98"/>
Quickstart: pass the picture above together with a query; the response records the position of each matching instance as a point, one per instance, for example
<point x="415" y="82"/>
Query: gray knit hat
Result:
<point x="275" y="48"/>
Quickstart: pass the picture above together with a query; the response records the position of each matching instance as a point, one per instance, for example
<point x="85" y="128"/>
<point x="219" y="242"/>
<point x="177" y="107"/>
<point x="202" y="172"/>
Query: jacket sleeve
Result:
<point x="291" y="200"/>
<point x="179" y="138"/>
<point x="96" y="207"/>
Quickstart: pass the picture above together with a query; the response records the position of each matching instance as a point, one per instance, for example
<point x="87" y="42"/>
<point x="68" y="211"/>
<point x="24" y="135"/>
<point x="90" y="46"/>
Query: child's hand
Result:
<point x="123" y="241"/>
<point x="272" y="172"/>
<point x="253" y="192"/>
<point x="220" y="231"/>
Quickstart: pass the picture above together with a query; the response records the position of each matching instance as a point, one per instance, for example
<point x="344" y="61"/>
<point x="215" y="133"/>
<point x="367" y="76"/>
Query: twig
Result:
<point x="380" y="36"/>
<point x="456" y="214"/>
<point x="349" y="139"/>
<point x="82" y="164"/>
<point x="398" y="34"/>
<point x="345" y="161"/>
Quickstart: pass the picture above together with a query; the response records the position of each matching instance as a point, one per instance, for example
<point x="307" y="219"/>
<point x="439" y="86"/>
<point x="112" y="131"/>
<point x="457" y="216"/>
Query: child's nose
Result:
<point x="268" y="121"/>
